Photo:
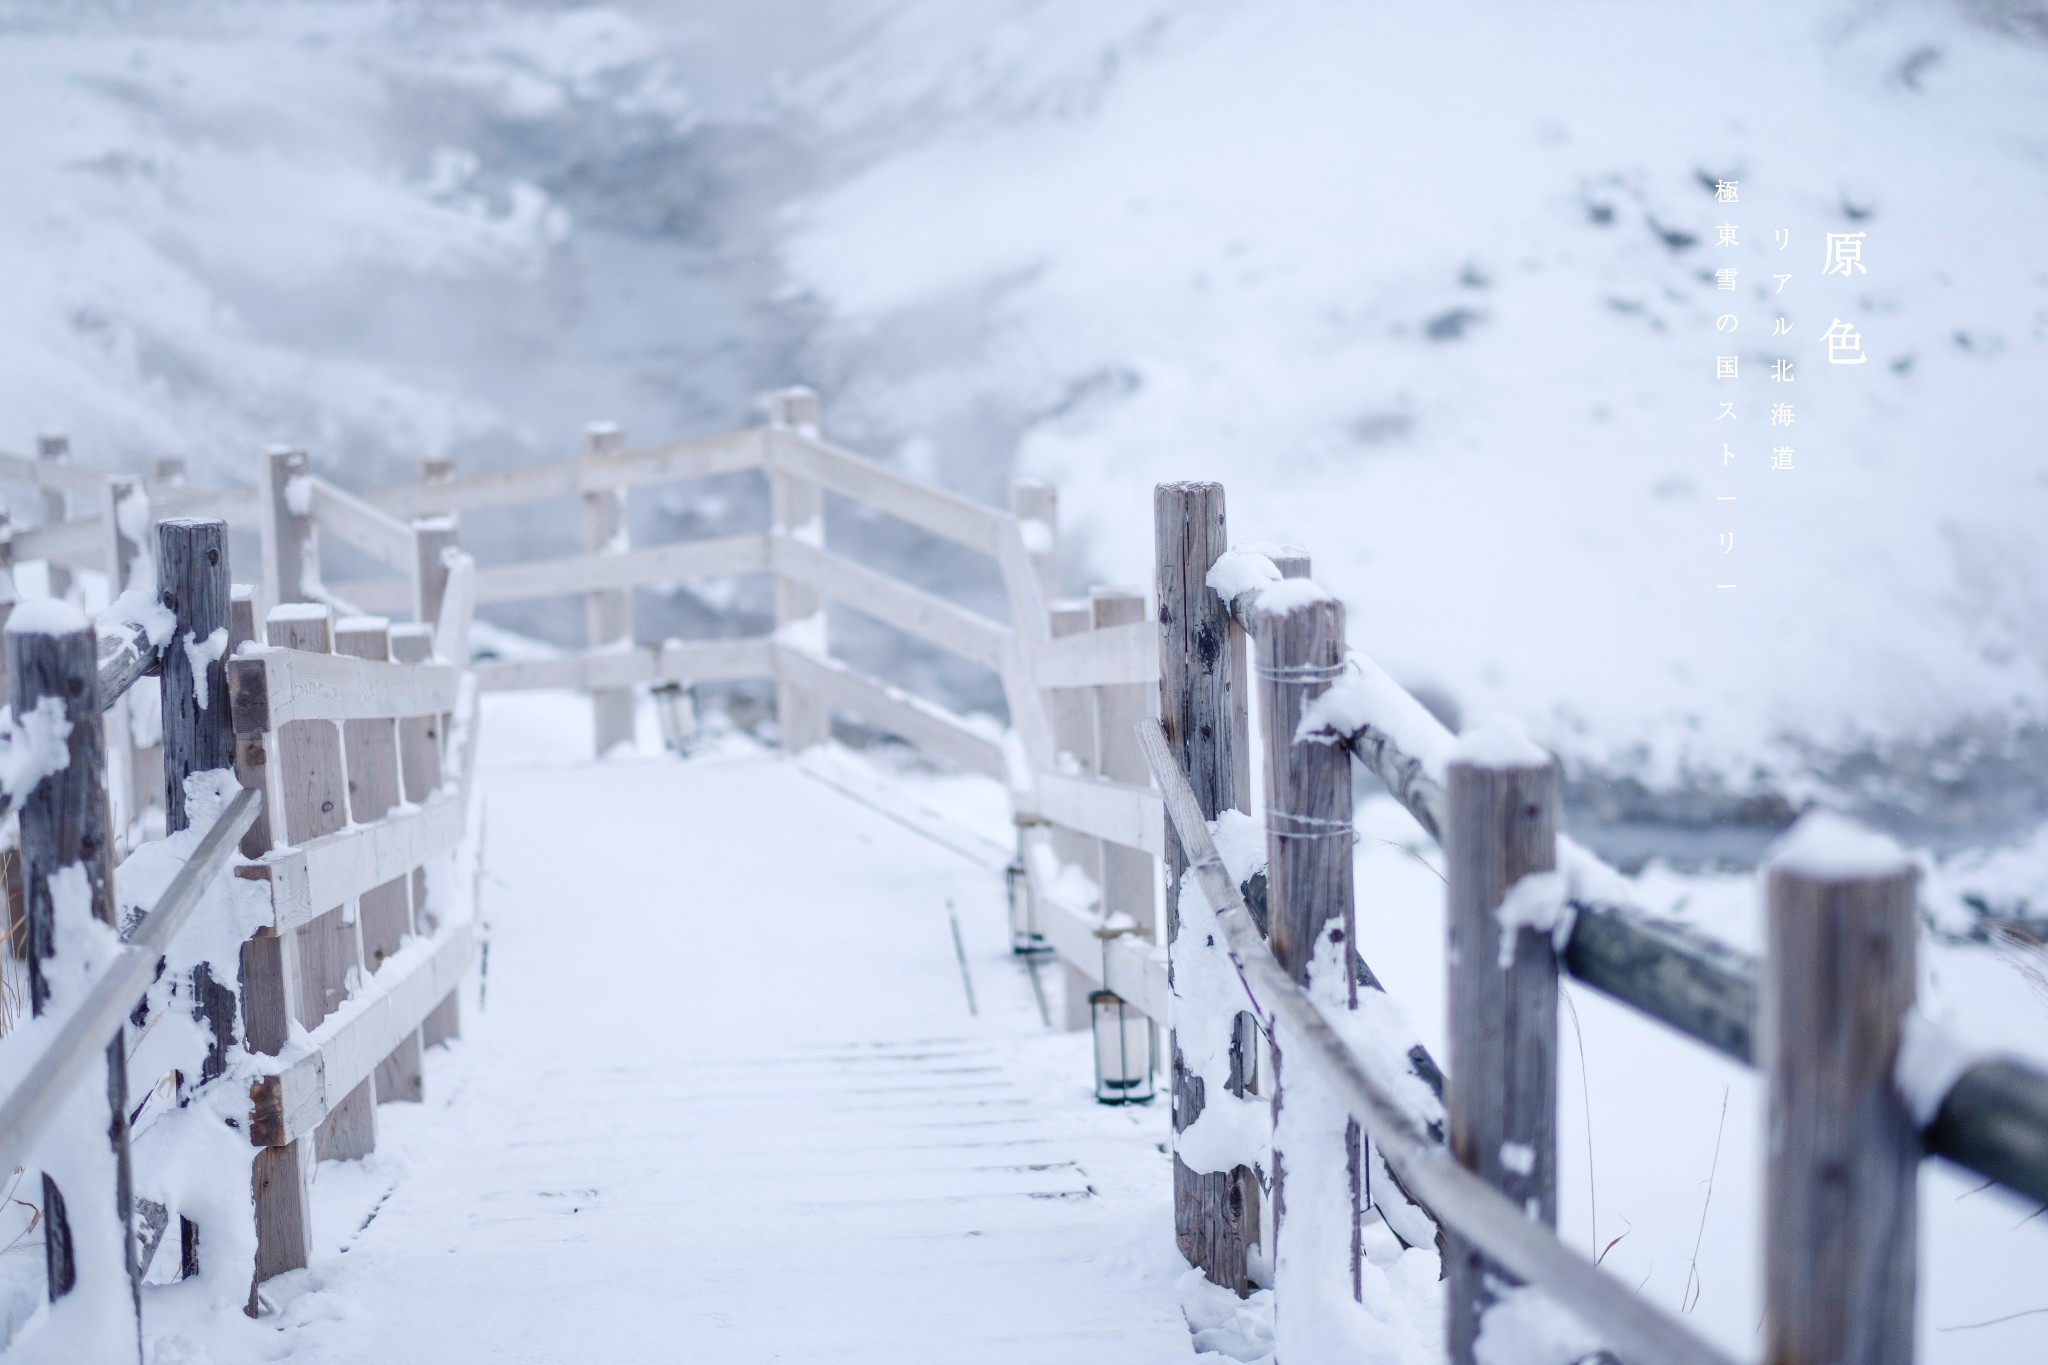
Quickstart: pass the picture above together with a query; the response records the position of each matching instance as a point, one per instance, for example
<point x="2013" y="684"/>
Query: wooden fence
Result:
<point x="1128" y="756"/>
<point x="328" y="761"/>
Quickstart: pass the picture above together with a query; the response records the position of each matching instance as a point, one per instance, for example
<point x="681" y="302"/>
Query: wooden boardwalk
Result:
<point x="746" y="1117"/>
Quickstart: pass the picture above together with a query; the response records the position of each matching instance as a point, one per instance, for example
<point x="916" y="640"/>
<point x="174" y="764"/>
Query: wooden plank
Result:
<point x="648" y="566"/>
<point x="54" y="452"/>
<point x="674" y="661"/>
<point x="1841" y="1170"/>
<point x="370" y="529"/>
<point x="458" y="609"/>
<point x="345" y="1052"/>
<point x="291" y="553"/>
<point x="1501" y="1094"/>
<point x="312" y="878"/>
<point x="370" y="749"/>
<point x="1072" y="717"/>
<point x="1215" y="1213"/>
<point x="945" y="514"/>
<point x="1125" y="815"/>
<point x="1035" y="504"/>
<point x="271" y="688"/>
<point x="796" y="512"/>
<point x="420" y="738"/>
<point x="697" y="458"/>
<point x="912" y="718"/>
<point x="1137" y="969"/>
<point x="281" y="1185"/>
<point x="79" y="544"/>
<point x="1110" y="657"/>
<point x="49" y="474"/>
<point x="607" y="612"/>
<point x="238" y="507"/>
<point x="927" y="616"/>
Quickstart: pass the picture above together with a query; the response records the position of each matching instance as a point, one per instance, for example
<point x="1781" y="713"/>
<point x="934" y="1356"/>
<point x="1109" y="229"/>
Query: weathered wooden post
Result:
<point x="1842" y="1166"/>
<point x="1299" y="653"/>
<point x="1216" y="1213"/>
<point x="796" y="509"/>
<point x="1501" y="1095"/>
<point x="55" y="448"/>
<point x="433" y="537"/>
<point x="313" y="797"/>
<point x="607" y="612"/>
<point x="291" y="549"/>
<point x="67" y="868"/>
<point x="198" y="725"/>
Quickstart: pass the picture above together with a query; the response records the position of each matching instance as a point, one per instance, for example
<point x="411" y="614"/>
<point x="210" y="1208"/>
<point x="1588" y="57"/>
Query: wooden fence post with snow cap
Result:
<point x="1842" y="1166"/>
<point x="198" y="723"/>
<point x="607" y="612"/>
<point x="1500" y="840"/>
<point x="796" y="509"/>
<point x="55" y="448"/>
<point x="1316" y="1157"/>
<point x="291" y="562"/>
<point x="67" y="870"/>
<point x="313" y="793"/>
<point x="1215" y="1213"/>
<point x="1071" y="712"/>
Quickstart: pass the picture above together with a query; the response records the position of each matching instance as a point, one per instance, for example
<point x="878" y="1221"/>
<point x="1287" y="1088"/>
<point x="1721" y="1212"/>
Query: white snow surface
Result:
<point x="1824" y="844"/>
<point x="723" y="1095"/>
<point x="45" y="616"/>
<point x="1498" y="742"/>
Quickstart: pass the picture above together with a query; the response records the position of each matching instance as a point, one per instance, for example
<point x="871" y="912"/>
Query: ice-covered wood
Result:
<point x="1501" y="1092"/>
<point x="1842" y="1167"/>
<point x="1215" y="1216"/>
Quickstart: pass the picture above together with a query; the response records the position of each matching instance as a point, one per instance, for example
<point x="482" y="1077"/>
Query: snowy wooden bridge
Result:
<point x="745" y="1094"/>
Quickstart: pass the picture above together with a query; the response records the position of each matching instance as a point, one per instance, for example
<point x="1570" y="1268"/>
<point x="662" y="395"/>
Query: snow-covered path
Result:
<point x="726" y="1101"/>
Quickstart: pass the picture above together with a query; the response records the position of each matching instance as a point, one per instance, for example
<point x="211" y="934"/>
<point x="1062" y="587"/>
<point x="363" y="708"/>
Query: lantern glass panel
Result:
<point x="1123" y="1050"/>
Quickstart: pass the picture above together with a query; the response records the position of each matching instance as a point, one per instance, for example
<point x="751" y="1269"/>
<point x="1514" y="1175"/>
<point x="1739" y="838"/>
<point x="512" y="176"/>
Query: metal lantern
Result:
<point x="1123" y="1050"/>
<point x="1024" y="934"/>
<point x="678" y="716"/>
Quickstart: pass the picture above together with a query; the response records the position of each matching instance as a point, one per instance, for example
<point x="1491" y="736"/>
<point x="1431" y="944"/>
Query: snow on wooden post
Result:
<point x="1072" y="716"/>
<point x="198" y="725"/>
<point x="796" y="510"/>
<point x="1036" y="506"/>
<point x="1843" y="1162"/>
<point x="607" y="612"/>
<point x="291" y="554"/>
<point x="1215" y="1213"/>
<point x="1504" y="900"/>
<point x="67" y="870"/>
<point x="56" y="449"/>
<point x="1299" y="653"/>
<point x="314" y="796"/>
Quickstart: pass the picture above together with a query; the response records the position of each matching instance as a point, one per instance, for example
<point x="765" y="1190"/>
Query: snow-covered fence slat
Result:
<point x="929" y="726"/>
<point x="1418" y="1159"/>
<point x="1104" y="656"/>
<point x="670" y="661"/>
<point x="716" y="557"/>
<point x="822" y="573"/>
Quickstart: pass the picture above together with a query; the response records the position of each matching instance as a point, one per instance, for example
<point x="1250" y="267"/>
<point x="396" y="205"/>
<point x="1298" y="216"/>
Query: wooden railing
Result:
<point x="329" y="780"/>
<point x="1124" y="709"/>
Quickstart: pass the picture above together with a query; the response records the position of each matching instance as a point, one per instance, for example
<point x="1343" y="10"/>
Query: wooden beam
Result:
<point x="672" y="661"/>
<point x="1119" y="812"/>
<point x="916" y="612"/>
<point x="353" y="521"/>
<point x="697" y="458"/>
<point x="943" y="514"/>
<point x="1110" y="657"/>
<point x="930" y="727"/>
<point x="311" y="878"/>
<point x="271" y="687"/>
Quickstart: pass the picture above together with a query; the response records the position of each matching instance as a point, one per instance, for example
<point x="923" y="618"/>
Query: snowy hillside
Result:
<point x="1430" y="287"/>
